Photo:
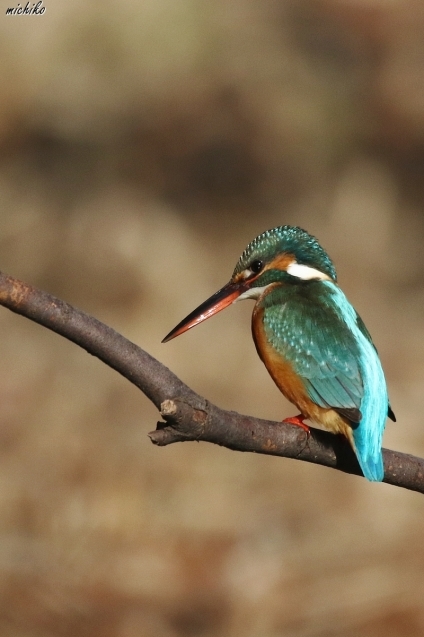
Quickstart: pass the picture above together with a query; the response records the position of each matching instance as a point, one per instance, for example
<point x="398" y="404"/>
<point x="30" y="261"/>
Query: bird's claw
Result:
<point x="298" y="422"/>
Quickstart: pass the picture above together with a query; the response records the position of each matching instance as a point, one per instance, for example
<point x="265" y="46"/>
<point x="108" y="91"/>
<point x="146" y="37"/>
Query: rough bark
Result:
<point x="186" y="415"/>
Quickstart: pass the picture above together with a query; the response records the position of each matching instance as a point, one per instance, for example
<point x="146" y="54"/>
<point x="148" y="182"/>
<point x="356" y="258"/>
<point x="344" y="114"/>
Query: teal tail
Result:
<point x="370" y="458"/>
<point x="372" y="468"/>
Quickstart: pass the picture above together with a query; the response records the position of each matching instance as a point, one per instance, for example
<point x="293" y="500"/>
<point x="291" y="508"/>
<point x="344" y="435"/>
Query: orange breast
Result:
<point x="280" y="369"/>
<point x="291" y="385"/>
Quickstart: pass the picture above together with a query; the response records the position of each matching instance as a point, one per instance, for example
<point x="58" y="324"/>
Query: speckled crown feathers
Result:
<point x="292" y="240"/>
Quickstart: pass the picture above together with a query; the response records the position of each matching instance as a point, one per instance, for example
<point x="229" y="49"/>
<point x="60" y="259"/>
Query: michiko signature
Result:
<point x="29" y="9"/>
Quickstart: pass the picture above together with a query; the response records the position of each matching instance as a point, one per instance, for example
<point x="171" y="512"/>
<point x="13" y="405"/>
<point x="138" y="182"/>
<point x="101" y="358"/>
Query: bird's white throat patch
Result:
<point x="306" y="273"/>
<point x="252" y="293"/>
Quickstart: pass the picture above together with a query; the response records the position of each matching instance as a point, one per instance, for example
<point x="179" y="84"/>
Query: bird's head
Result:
<point x="284" y="255"/>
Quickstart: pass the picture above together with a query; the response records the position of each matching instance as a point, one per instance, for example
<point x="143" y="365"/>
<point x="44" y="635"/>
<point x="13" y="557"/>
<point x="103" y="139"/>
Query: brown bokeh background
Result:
<point x="143" y="144"/>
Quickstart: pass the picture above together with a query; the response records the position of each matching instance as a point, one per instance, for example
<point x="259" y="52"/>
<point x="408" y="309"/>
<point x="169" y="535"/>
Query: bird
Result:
<point x="312" y="341"/>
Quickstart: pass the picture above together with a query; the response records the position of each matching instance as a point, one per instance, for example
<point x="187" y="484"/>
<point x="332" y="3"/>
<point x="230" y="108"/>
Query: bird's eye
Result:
<point x="256" y="266"/>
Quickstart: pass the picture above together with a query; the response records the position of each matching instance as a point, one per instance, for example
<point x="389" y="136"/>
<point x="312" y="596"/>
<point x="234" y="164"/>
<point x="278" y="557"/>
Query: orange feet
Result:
<point x="298" y="421"/>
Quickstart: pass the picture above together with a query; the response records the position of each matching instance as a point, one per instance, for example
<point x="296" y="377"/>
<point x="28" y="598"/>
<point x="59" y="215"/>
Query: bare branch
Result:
<point x="187" y="415"/>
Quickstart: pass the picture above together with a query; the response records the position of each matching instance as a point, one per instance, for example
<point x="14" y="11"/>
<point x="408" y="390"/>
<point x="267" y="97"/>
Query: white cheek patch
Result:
<point x="252" y="293"/>
<point x="306" y="273"/>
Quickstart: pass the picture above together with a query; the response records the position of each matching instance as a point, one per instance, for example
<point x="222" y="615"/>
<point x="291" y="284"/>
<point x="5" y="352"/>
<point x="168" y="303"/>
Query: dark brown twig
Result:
<point x="187" y="415"/>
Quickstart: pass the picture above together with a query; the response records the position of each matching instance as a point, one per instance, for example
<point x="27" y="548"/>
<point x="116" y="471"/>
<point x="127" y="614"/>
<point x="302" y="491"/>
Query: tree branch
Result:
<point x="187" y="415"/>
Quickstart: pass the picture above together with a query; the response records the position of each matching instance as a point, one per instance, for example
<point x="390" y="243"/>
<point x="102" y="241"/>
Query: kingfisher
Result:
<point x="312" y="341"/>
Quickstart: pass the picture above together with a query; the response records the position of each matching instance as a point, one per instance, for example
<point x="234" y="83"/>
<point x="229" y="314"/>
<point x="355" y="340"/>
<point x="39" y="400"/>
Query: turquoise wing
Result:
<point x="316" y="329"/>
<point x="365" y="332"/>
<point x="321" y="348"/>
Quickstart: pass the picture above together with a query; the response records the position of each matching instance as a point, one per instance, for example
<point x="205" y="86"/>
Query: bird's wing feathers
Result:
<point x="367" y="335"/>
<point x="322" y="350"/>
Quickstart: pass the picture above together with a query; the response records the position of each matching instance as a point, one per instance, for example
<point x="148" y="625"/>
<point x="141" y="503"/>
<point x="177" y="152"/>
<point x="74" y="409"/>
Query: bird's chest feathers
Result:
<point x="286" y="325"/>
<point x="280" y="368"/>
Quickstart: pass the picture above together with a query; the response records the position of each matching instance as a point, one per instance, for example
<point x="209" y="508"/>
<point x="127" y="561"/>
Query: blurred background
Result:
<point x="143" y="144"/>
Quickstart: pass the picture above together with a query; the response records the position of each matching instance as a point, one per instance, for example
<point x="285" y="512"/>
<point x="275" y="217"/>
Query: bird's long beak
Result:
<point x="217" y="302"/>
